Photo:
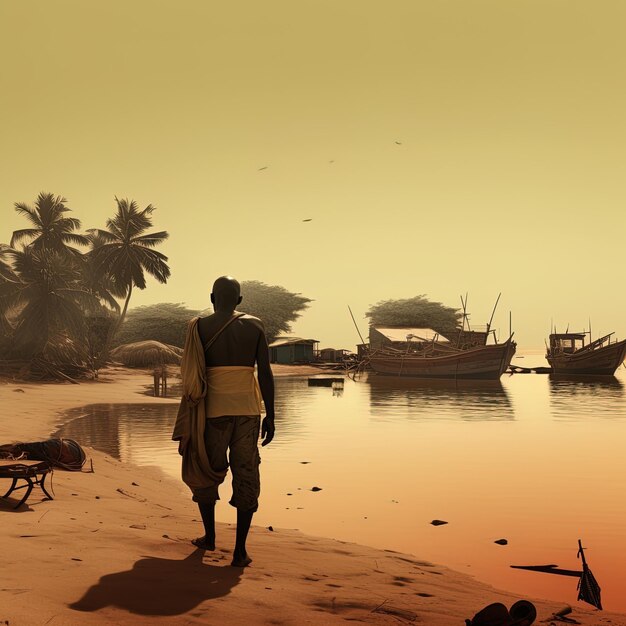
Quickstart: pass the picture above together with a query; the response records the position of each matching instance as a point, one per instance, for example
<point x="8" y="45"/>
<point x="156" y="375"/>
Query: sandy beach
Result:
<point x="113" y="548"/>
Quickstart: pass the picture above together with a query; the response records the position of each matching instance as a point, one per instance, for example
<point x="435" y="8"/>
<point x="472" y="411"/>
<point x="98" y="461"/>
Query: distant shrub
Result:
<point x="165" y="322"/>
<point x="416" y="312"/>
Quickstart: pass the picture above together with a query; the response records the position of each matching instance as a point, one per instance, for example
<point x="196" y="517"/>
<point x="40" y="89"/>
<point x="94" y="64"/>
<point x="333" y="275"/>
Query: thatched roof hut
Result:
<point x="147" y="354"/>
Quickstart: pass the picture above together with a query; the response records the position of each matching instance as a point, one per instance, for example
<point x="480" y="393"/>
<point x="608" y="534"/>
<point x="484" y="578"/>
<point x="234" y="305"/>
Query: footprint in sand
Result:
<point x="403" y="579"/>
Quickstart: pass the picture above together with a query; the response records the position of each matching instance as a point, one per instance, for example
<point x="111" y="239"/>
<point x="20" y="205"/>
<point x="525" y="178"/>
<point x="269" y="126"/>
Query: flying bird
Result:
<point x="331" y="161"/>
<point x="308" y="219"/>
<point x="398" y="143"/>
<point x="262" y="168"/>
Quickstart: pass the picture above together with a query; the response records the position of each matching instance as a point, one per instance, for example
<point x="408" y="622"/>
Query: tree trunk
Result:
<point x="115" y="327"/>
<point x="123" y="313"/>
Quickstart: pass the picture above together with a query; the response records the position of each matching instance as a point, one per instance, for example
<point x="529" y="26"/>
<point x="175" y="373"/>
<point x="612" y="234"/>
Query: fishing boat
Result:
<point x="463" y="354"/>
<point x="445" y="361"/>
<point x="568" y="354"/>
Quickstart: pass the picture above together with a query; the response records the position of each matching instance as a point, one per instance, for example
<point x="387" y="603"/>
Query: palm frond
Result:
<point x="30" y="213"/>
<point x="154" y="263"/>
<point x="108" y="299"/>
<point x="69" y="223"/>
<point x="20" y="235"/>
<point x="148" y="210"/>
<point x="99" y="236"/>
<point x="75" y="238"/>
<point x="139" y="277"/>
<point x="153" y="239"/>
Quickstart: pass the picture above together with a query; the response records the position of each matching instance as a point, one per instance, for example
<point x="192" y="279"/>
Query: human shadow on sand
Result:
<point x="156" y="586"/>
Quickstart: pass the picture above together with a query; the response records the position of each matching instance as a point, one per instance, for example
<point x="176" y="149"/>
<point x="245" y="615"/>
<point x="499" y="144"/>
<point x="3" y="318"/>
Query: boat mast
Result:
<point x="356" y="326"/>
<point x="465" y="315"/>
<point x="493" y="313"/>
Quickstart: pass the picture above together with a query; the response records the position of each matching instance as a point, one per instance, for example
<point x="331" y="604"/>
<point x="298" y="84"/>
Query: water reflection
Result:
<point x="138" y="433"/>
<point x="129" y="432"/>
<point x="393" y="397"/>
<point x="577" y="398"/>
<point x="297" y="403"/>
<point x="444" y="447"/>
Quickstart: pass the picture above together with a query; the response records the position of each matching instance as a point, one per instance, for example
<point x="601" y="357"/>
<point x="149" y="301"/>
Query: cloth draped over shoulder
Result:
<point x="197" y="472"/>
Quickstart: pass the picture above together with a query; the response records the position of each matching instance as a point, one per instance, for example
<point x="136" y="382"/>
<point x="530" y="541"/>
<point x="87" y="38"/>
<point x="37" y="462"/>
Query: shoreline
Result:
<point x="113" y="547"/>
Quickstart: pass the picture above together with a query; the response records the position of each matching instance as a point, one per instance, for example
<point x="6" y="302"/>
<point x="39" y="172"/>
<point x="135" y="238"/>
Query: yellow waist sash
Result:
<point x="232" y="390"/>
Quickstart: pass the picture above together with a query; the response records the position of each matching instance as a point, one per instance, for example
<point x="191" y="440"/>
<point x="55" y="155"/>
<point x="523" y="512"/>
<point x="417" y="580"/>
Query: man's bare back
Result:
<point x="238" y="344"/>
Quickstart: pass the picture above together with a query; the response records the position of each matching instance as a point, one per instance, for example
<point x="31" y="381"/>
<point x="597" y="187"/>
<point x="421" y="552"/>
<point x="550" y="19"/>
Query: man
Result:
<point x="219" y="417"/>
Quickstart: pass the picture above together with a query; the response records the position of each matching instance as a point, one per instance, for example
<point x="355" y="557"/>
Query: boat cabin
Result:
<point x="567" y="343"/>
<point x="401" y="337"/>
<point x="472" y="338"/>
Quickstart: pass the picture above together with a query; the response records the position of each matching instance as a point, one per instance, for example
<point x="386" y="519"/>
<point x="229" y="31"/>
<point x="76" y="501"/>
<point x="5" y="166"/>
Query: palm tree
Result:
<point x="50" y="300"/>
<point x="9" y="284"/>
<point x="51" y="229"/>
<point x="125" y="252"/>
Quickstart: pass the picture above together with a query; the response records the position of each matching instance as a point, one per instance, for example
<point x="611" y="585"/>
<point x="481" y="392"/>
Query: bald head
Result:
<point x="226" y="294"/>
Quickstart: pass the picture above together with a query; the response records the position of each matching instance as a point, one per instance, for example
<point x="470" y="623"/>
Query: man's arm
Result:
<point x="266" y="383"/>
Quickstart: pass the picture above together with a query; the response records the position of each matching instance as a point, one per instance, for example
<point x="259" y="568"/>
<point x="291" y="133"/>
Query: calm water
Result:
<point x="535" y="460"/>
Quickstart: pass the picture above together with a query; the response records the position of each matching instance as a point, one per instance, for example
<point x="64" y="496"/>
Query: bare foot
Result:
<point x="241" y="560"/>
<point x="204" y="543"/>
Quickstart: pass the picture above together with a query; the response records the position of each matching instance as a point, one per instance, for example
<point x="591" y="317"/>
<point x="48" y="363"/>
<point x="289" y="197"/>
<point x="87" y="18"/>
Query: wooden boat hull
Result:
<point x="602" y="361"/>
<point x="483" y="362"/>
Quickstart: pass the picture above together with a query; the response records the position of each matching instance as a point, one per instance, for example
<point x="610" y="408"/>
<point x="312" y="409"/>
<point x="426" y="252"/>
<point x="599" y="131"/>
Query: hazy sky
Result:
<point x="509" y="177"/>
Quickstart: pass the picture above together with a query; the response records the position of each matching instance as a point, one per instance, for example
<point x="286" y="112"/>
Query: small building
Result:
<point x="332" y="355"/>
<point x="293" y="350"/>
<point x="400" y="337"/>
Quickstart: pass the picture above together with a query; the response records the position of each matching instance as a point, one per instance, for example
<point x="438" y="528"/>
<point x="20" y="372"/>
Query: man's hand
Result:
<point x="267" y="429"/>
